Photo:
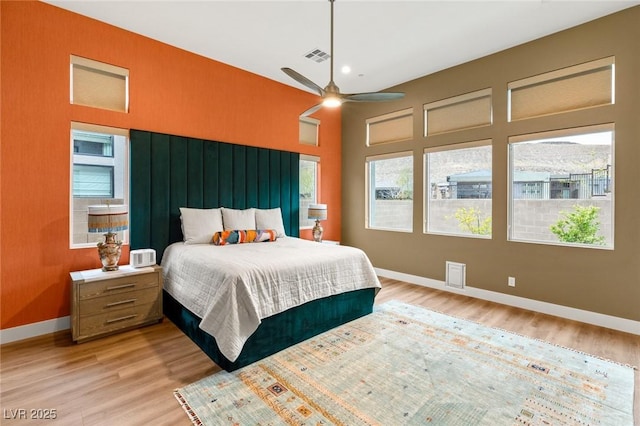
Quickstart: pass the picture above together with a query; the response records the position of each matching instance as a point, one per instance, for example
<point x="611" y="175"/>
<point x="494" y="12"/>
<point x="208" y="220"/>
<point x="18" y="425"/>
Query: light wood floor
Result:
<point x="128" y="379"/>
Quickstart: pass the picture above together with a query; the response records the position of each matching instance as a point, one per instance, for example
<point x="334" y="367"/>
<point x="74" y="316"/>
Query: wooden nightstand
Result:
<point x="108" y="302"/>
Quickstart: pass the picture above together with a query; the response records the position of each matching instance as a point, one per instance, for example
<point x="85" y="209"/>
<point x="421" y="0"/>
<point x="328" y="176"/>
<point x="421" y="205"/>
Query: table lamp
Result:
<point x="110" y="219"/>
<point x="317" y="212"/>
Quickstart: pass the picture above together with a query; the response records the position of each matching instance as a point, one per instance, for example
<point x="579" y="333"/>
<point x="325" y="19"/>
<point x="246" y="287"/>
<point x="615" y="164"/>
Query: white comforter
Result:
<point x="233" y="287"/>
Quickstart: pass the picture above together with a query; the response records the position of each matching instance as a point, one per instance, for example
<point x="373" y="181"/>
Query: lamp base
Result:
<point x="317" y="232"/>
<point x="109" y="252"/>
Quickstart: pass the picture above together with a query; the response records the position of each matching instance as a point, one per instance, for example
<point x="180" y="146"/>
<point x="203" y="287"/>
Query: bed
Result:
<point x="234" y="289"/>
<point x="173" y="172"/>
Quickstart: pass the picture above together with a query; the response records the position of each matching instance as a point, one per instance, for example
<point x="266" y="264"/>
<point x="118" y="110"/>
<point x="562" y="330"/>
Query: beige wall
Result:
<point x="603" y="281"/>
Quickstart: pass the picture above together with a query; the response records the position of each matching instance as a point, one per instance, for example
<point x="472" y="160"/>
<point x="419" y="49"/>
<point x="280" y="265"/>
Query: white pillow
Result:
<point x="199" y="225"/>
<point x="233" y="219"/>
<point x="270" y="219"/>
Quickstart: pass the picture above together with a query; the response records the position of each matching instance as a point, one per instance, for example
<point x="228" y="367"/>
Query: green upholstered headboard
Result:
<point x="168" y="172"/>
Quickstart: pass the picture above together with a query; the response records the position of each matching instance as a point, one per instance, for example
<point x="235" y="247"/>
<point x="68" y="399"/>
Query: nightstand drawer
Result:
<point x="114" y="302"/>
<point x="117" y="285"/>
<point x="122" y="318"/>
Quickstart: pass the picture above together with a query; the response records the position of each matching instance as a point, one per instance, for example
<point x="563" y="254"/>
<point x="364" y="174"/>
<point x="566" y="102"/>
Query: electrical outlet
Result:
<point x="512" y="281"/>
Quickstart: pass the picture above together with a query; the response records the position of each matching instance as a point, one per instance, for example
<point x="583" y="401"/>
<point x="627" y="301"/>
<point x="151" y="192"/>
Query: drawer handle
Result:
<point x="111" y="321"/>
<point x="122" y="302"/>
<point x="118" y="287"/>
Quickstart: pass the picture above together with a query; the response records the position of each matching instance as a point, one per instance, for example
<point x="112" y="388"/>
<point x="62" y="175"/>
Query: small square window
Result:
<point x="393" y="127"/>
<point x="309" y="131"/>
<point x="573" y="88"/>
<point x="99" y="85"/>
<point x="458" y="113"/>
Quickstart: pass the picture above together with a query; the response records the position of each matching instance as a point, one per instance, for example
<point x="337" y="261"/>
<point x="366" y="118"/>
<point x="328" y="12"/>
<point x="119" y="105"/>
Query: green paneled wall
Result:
<point x="169" y="172"/>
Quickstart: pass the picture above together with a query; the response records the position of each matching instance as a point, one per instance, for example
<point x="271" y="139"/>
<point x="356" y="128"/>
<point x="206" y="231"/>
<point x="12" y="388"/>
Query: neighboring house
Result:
<point x="529" y="185"/>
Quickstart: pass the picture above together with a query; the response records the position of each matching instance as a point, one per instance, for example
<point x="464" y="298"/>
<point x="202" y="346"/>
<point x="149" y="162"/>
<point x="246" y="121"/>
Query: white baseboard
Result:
<point x="608" y="321"/>
<point x="622" y="324"/>
<point x="35" y="329"/>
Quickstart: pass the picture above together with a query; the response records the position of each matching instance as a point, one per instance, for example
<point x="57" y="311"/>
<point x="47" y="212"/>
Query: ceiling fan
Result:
<point x="331" y="96"/>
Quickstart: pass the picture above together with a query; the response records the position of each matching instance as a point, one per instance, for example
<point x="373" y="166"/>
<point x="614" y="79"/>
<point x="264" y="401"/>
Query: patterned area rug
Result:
<point x="405" y="365"/>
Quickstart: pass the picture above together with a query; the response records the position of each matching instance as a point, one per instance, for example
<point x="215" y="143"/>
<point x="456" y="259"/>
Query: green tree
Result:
<point x="405" y="182"/>
<point x="579" y="226"/>
<point x="307" y="181"/>
<point x="471" y="221"/>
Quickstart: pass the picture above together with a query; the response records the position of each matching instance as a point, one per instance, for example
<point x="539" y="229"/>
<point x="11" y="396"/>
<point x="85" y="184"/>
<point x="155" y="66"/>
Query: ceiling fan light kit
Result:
<point x="331" y="102"/>
<point x="331" y="96"/>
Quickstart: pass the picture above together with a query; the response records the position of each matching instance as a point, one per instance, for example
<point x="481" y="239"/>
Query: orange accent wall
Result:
<point x="171" y="91"/>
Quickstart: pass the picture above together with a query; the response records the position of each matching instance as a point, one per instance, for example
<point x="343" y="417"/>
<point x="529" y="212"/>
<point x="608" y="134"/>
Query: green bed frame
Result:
<point x="278" y="331"/>
<point x="168" y="172"/>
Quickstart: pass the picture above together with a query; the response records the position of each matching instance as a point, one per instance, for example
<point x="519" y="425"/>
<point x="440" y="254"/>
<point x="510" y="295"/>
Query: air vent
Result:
<point x="317" y="55"/>
<point x="455" y="275"/>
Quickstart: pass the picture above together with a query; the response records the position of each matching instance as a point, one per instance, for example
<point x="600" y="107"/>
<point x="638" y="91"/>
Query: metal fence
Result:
<point x="577" y="186"/>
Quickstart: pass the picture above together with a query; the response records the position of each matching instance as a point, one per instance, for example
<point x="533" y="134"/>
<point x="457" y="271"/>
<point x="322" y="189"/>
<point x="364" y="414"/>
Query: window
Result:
<point x="561" y="187"/>
<point x="309" y="131"/>
<point x="393" y="127"/>
<point x="309" y="173"/>
<point x="458" y="113"/>
<point x="390" y="192"/>
<point x="458" y="189"/>
<point x="87" y="143"/>
<point x="92" y="181"/>
<point x="99" y="170"/>
<point x="569" y="89"/>
<point x="99" y="85"/>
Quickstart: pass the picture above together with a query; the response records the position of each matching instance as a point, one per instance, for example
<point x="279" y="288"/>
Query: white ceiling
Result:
<point x="384" y="42"/>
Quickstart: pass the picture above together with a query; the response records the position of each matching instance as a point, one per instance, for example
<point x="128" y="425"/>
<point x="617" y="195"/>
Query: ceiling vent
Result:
<point x="317" y="55"/>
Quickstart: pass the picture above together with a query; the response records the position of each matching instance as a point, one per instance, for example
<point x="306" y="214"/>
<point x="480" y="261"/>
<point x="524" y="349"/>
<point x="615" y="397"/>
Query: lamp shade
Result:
<point x="108" y="218"/>
<point x="317" y="211"/>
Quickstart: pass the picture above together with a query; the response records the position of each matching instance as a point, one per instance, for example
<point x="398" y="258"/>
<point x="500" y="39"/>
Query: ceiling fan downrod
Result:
<point x="331" y="96"/>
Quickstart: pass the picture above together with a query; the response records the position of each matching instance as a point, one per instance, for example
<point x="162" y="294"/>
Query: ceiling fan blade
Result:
<point x="303" y="80"/>
<point x="311" y="110"/>
<point x="373" y="97"/>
